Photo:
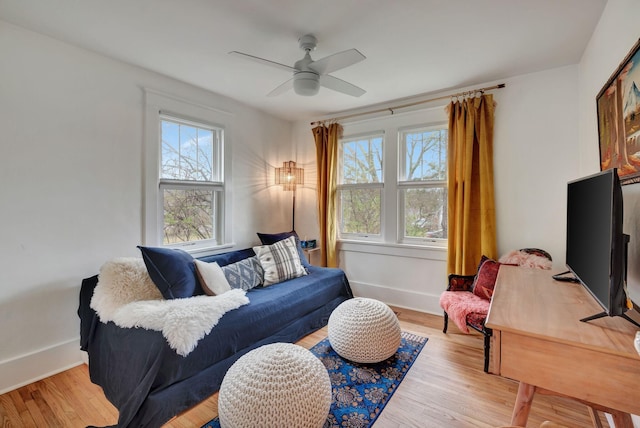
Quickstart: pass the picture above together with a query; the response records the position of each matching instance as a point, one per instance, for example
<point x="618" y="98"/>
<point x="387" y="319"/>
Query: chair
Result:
<point x="467" y="297"/>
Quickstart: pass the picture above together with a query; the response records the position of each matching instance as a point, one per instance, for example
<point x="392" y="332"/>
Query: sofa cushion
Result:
<point x="272" y="238"/>
<point x="229" y="257"/>
<point x="211" y="278"/>
<point x="485" y="280"/>
<point x="280" y="261"/>
<point x="244" y="274"/>
<point x="172" y="271"/>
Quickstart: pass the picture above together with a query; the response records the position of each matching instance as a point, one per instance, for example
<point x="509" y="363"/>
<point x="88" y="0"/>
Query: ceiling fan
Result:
<point x="309" y="75"/>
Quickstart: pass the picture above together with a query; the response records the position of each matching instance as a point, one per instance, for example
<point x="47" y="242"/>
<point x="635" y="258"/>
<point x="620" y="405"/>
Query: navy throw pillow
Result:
<point x="172" y="271"/>
<point x="272" y="238"/>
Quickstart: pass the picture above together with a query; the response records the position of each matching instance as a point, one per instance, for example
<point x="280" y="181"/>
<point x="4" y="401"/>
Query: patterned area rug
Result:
<point x="360" y="391"/>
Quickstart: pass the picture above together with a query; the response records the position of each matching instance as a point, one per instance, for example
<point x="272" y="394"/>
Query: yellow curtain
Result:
<point x="327" y="159"/>
<point x="471" y="210"/>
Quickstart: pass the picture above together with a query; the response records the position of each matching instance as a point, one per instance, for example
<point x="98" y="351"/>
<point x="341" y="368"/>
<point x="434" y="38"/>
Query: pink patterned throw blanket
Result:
<point x="524" y="259"/>
<point x="459" y="305"/>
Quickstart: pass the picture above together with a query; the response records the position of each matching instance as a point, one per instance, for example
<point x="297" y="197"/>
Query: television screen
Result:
<point x="591" y="227"/>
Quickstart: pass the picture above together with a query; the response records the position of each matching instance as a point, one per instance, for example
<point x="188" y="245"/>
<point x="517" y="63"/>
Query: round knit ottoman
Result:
<point x="275" y="385"/>
<point x="364" y="330"/>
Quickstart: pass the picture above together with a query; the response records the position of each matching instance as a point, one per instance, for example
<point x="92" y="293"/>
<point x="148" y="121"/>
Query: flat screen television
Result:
<point x="596" y="246"/>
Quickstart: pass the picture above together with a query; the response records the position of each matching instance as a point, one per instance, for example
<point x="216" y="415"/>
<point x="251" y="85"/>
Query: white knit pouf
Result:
<point x="364" y="330"/>
<point x="275" y="385"/>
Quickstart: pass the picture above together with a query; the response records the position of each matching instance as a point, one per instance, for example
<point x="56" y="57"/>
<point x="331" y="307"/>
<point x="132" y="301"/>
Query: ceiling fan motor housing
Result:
<point x="308" y="42"/>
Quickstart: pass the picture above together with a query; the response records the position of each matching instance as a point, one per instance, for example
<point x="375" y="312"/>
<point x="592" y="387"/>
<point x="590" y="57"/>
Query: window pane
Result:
<point x="187" y="152"/>
<point x="188" y="215"/>
<point x="360" y="209"/>
<point x="362" y="160"/>
<point x="426" y="155"/>
<point x="170" y="150"/>
<point x="425" y="213"/>
<point x="205" y="155"/>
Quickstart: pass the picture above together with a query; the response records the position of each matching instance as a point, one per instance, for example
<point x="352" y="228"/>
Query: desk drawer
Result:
<point x="607" y="379"/>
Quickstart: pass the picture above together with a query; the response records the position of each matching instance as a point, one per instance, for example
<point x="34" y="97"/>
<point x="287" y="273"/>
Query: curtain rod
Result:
<point x="391" y="109"/>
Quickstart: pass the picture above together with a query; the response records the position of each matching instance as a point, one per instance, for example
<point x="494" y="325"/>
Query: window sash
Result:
<point x="217" y="210"/>
<point x="403" y="168"/>
<point x="433" y="237"/>
<point x="379" y="169"/>
<point x="375" y="223"/>
<point x="216" y="173"/>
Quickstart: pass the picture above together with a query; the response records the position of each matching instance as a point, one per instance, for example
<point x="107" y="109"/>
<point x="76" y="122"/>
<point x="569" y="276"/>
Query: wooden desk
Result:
<point x="539" y="340"/>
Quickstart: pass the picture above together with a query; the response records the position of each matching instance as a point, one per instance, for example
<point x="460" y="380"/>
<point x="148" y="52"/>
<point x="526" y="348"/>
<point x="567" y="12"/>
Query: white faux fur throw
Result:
<point x="126" y="295"/>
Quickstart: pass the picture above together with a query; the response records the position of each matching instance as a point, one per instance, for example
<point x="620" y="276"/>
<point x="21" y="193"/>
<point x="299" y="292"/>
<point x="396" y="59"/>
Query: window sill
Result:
<point x="204" y="250"/>
<point x="398" y="250"/>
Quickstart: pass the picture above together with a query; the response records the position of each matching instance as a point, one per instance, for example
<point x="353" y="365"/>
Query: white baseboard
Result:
<point x="28" y="368"/>
<point x="409" y="299"/>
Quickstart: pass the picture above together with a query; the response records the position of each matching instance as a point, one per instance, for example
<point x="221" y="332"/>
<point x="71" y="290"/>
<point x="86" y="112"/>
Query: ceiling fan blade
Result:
<point x="341" y="86"/>
<point x="282" y="88"/>
<point x="335" y="62"/>
<point x="262" y="61"/>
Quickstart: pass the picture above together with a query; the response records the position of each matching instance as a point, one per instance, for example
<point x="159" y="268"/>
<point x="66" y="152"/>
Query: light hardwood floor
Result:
<point x="445" y="387"/>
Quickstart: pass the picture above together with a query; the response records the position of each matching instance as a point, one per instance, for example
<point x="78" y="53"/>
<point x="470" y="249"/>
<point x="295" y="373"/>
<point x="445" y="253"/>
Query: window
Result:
<point x="187" y="174"/>
<point x="191" y="182"/>
<point x="392" y="179"/>
<point x="422" y="184"/>
<point x="360" y="185"/>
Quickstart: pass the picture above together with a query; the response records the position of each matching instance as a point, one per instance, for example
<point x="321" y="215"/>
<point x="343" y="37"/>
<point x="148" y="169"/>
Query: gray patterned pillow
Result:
<point x="280" y="261"/>
<point x="245" y="274"/>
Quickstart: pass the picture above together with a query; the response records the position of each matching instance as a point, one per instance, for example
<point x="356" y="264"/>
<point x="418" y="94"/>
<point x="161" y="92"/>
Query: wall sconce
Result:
<point x="289" y="176"/>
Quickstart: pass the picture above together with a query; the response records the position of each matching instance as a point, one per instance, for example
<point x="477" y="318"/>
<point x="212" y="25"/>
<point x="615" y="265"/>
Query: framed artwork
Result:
<point x="619" y="119"/>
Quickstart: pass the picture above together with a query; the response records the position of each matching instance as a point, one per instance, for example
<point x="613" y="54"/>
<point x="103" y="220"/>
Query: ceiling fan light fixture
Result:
<point x="306" y="83"/>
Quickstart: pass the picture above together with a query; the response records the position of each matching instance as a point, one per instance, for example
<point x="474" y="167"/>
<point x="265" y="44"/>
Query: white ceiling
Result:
<point x="412" y="46"/>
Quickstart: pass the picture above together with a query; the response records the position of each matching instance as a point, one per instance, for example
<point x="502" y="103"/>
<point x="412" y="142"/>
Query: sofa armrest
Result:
<point x="88" y="317"/>
<point x="460" y="282"/>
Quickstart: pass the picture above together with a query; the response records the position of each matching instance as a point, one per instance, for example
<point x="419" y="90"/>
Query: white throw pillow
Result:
<point x="211" y="278"/>
<point x="280" y="261"/>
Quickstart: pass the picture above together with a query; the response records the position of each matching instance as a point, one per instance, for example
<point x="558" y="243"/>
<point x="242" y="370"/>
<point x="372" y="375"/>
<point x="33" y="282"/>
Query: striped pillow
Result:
<point x="280" y="261"/>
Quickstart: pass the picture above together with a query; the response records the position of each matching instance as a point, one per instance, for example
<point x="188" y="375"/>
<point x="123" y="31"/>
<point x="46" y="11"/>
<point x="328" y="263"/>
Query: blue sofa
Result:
<point x="149" y="383"/>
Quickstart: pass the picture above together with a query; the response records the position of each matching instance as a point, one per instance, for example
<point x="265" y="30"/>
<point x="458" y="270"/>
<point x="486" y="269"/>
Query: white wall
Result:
<point x="535" y="151"/>
<point x="613" y="38"/>
<point x="535" y="154"/>
<point x="71" y="186"/>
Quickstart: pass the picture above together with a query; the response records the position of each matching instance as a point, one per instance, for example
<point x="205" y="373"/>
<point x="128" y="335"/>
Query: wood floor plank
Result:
<point x="446" y="387"/>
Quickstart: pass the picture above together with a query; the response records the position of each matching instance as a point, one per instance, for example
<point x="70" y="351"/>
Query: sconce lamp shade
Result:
<point x="289" y="176"/>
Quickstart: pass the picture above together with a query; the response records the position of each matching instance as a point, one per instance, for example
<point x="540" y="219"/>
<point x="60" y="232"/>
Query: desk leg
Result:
<point x="595" y="417"/>
<point x="523" y="404"/>
<point x="621" y="419"/>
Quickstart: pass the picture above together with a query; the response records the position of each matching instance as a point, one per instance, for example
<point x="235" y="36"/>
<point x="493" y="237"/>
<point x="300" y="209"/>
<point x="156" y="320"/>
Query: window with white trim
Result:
<point x="392" y="179"/>
<point x="191" y="182"/>
<point x="422" y="184"/>
<point x="360" y="186"/>
<point x="187" y="174"/>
